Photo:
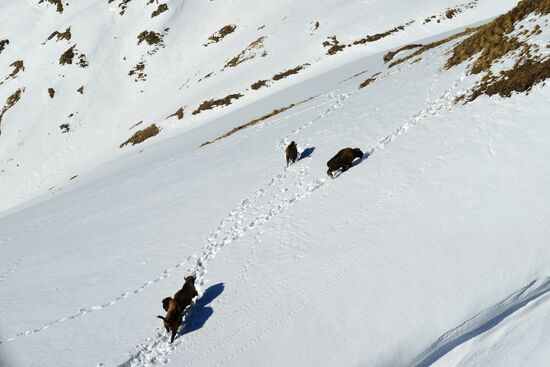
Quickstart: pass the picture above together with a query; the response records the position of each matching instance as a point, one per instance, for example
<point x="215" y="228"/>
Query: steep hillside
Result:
<point x="86" y="76"/>
<point x="430" y="250"/>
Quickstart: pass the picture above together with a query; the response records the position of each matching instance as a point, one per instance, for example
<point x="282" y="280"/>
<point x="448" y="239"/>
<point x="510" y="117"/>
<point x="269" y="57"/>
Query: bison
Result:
<point x="343" y="159"/>
<point x="291" y="153"/>
<point x="175" y="307"/>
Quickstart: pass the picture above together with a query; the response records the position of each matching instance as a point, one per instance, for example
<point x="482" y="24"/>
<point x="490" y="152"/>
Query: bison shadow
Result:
<point x="306" y="153"/>
<point x="200" y="313"/>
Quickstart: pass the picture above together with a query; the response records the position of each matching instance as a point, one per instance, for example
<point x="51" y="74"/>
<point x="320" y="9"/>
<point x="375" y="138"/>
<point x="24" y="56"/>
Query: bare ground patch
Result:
<point x="366" y="82"/>
<point x="493" y="40"/>
<point x="378" y="36"/>
<point x="141" y="135"/>
<point x="450" y="13"/>
<point x="221" y="34"/>
<point x="334" y="46"/>
<point x="259" y="84"/>
<point x="122" y="5"/>
<point x="521" y="78"/>
<point x="10" y="102"/>
<point x="65" y="128"/>
<point x="432" y="45"/>
<point x="68" y="56"/>
<point x="390" y="55"/>
<point x="180" y="113"/>
<point x="65" y="35"/>
<point x="289" y="72"/>
<point x="51" y="92"/>
<point x="3" y="44"/>
<point x="138" y="72"/>
<point x="213" y="103"/>
<point x="58" y="4"/>
<point x="17" y="66"/>
<point x="161" y="9"/>
<point x="251" y="51"/>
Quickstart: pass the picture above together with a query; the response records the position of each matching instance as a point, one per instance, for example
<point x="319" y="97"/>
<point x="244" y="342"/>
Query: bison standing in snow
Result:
<point x="175" y="307"/>
<point x="291" y="153"/>
<point x="343" y="159"/>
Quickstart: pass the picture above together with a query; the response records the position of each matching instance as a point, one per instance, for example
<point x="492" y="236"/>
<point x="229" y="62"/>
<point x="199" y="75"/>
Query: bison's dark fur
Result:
<point x="176" y="306"/>
<point x="343" y="159"/>
<point x="291" y="153"/>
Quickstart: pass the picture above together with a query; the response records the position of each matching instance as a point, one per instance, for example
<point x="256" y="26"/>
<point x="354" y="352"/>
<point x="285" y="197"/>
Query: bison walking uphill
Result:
<point x="343" y="160"/>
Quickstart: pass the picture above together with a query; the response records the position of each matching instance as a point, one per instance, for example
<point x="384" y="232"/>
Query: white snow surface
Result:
<point x="431" y="250"/>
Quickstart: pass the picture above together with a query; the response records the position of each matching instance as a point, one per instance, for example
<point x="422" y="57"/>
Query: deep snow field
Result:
<point x="432" y="250"/>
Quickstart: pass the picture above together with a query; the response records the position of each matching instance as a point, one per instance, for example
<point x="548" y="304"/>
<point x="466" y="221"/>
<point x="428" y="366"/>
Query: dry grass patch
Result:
<point x="390" y="55"/>
<point x="65" y="128"/>
<point x="493" y="40"/>
<point x="435" y="44"/>
<point x="17" y="67"/>
<point x="378" y="36"/>
<point x="10" y="102"/>
<point x="334" y="45"/>
<point x="138" y="72"/>
<point x="141" y="135"/>
<point x="67" y="56"/>
<point x="66" y="35"/>
<point x="521" y="78"/>
<point x="80" y="90"/>
<point x="289" y="72"/>
<point x="51" y="92"/>
<point x="122" y="6"/>
<point x="250" y="52"/>
<point x="212" y="103"/>
<point x="254" y="122"/>
<point x="221" y="34"/>
<point x="161" y="9"/>
<point x="3" y="44"/>
<point x="259" y="84"/>
<point x="366" y="82"/>
<point x="179" y="113"/>
<point x="150" y="37"/>
<point x="58" y="4"/>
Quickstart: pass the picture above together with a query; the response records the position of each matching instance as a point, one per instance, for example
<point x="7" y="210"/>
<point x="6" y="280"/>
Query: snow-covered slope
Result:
<point x="432" y="250"/>
<point x="47" y="140"/>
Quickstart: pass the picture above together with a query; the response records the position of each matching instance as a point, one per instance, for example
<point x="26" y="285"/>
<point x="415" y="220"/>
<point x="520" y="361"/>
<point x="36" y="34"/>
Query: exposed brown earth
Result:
<point x="66" y="35"/>
<point x="58" y="4"/>
<point x="212" y="103"/>
<point x="390" y="55"/>
<point x="161" y="9"/>
<point x="179" y="113"/>
<point x="247" y="53"/>
<point x="141" y="135"/>
<point x="286" y="73"/>
<point x="10" y="102"/>
<point x="334" y="45"/>
<point x="221" y="34"/>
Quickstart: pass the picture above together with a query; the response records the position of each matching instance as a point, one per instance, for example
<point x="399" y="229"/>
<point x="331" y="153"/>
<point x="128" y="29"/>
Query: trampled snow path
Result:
<point x="482" y="322"/>
<point x="12" y="268"/>
<point x="157" y="348"/>
<point x="237" y="215"/>
<point x="209" y="250"/>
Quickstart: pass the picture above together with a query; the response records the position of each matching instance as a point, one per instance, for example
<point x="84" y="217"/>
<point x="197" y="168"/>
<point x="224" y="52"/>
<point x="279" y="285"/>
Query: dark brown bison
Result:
<point x="175" y="307"/>
<point x="343" y="159"/>
<point x="291" y="153"/>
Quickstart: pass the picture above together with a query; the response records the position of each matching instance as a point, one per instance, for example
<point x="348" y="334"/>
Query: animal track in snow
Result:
<point x="12" y="268"/>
